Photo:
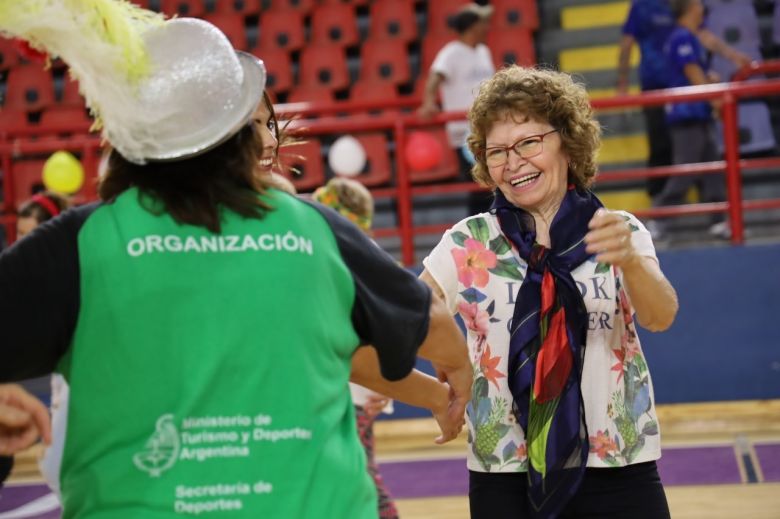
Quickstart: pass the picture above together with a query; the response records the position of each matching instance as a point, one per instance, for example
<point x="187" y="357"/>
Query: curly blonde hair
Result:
<point x="539" y="95"/>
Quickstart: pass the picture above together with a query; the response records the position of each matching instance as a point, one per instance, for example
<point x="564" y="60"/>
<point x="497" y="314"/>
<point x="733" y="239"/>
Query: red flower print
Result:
<point x="475" y="319"/>
<point x="603" y="445"/>
<point x="521" y="452"/>
<point x="488" y="366"/>
<point x="473" y="263"/>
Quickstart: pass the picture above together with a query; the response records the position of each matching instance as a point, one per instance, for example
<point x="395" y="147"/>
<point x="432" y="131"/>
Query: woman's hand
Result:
<point x="450" y="416"/>
<point x="374" y="405"/>
<point x="23" y="418"/>
<point x="610" y="239"/>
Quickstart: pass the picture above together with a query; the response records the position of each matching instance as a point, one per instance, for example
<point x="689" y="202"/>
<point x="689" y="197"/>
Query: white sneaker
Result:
<point x="720" y="230"/>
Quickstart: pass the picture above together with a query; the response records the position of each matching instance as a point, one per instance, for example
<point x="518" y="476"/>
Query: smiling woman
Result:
<point x="561" y="388"/>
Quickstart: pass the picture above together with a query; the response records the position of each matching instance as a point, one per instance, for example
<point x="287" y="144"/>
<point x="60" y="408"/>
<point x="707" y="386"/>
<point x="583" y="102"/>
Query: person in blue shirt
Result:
<point x="691" y="124"/>
<point x="649" y="25"/>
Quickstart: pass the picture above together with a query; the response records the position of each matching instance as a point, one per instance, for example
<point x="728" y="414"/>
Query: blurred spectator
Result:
<point x="456" y="72"/>
<point x="649" y="24"/>
<point x="41" y="207"/>
<point x="353" y="201"/>
<point x="691" y="124"/>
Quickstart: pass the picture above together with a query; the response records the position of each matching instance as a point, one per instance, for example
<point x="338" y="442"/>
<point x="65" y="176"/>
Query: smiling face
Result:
<point x="266" y="125"/>
<point x="536" y="184"/>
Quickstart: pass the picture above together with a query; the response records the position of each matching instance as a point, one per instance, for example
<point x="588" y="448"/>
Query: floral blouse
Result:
<point x="480" y="273"/>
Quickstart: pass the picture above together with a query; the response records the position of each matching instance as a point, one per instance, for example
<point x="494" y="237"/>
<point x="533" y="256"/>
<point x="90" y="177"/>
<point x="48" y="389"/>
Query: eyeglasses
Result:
<point x="525" y="148"/>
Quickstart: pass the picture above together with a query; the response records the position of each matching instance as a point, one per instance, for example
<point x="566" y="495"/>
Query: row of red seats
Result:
<point x="323" y="70"/>
<point x="510" y="13"/>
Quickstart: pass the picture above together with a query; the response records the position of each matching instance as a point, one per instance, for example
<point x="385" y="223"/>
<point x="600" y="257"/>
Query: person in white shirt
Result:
<point x="456" y="72"/>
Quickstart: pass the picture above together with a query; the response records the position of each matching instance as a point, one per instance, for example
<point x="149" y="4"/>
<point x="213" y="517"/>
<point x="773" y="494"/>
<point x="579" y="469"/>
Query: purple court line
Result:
<point x="711" y="465"/>
<point x="715" y="465"/>
<point x="14" y="496"/>
<point x="768" y="455"/>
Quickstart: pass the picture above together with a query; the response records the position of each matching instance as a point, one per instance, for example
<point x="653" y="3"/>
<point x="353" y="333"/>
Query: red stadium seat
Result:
<point x="511" y="46"/>
<point x="303" y="6"/>
<point x="515" y="14"/>
<point x="431" y="46"/>
<point x="334" y="24"/>
<point x="233" y="27"/>
<point x="281" y="29"/>
<point x="311" y="94"/>
<point x="367" y="90"/>
<point x="279" y="69"/>
<point x="448" y="167"/>
<point x="324" y="66"/>
<point x="65" y="119"/>
<point x="70" y="94"/>
<point x="12" y="122"/>
<point x="27" y="180"/>
<point x="385" y="61"/>
<point x="355" y="3"/>
<point x="242" y="7"/>
<point x="29" y="88"/>
<point x="8" y="55"/>
<point x="190" y="8"/>
<point x="374" y="91"/>
<point x="378" y="169"/>
<point x="438" y="13"/>
<point x="393" y="19"/>
<point x="306" y="158"/>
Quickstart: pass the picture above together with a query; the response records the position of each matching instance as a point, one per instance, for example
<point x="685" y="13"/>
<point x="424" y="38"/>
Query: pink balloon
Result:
<point x="423" y="151"/>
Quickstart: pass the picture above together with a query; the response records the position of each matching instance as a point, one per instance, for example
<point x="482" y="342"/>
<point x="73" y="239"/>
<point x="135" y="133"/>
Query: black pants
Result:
<point x="632" y="492"/>
<point x="6" y="464"/>
<point x="660" y="144"/>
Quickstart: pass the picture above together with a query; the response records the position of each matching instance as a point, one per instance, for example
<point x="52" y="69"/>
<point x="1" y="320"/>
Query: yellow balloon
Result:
<point x="63" y="173"/>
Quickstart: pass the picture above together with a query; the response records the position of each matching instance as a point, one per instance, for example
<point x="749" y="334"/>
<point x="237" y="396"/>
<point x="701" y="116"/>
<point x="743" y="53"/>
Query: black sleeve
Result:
<point x="392" y="306"/>
<point x="39" y="296"/>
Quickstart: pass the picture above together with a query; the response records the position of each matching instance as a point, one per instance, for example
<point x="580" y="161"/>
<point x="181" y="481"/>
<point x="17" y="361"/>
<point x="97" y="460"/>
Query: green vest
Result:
<point x="209" y="373"/>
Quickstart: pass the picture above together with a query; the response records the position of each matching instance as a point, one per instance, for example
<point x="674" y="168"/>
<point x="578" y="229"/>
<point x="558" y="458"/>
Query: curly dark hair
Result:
<point x="544" y="96"/>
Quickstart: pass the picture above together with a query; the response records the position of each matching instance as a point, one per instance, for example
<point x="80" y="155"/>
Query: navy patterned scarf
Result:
<point x="547" y="349"/>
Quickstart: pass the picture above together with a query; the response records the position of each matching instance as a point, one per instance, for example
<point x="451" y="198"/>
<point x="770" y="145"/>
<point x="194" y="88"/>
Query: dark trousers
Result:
<point x="632" y="492"/>
<point x="6" y="464"/>
<point x="660" y="144"/>
<point x="695" y="141"/>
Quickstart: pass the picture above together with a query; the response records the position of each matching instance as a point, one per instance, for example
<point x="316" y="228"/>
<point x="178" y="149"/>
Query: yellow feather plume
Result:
<point x="100" y="40"/>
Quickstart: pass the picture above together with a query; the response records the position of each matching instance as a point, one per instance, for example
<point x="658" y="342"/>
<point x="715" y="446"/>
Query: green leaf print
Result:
<point x="509" y="451"/>
<point x="507" y="268"/>
<point x="479" y="229"/>
<point x="480" y="388"/>
<point x="631" y="226"/>
<point x="650" y="428"/>
<point x="459" y="238"/>
<point x="601" y="268"/>
<point x="500" y="245"/>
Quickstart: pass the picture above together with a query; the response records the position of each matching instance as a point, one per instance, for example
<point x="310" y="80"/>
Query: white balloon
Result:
<point x="347" y="156"/>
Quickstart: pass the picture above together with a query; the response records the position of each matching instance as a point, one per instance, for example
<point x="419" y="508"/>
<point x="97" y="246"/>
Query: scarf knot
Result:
<point x="537" y="261"/>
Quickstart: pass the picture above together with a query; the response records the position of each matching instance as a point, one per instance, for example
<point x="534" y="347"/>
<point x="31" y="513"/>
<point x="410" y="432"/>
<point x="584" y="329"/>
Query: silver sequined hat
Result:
<point x="200" y="92"/>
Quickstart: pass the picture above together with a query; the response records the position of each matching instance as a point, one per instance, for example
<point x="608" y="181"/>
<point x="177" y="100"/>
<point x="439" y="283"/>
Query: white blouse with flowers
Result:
<point x="480" y="274"/>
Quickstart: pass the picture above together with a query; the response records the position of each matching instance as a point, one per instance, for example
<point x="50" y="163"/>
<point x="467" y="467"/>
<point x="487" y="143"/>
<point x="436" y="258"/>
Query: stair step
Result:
<point x="601" y="57"/>
<point x="595" y="15"/>
<point x="623" y="148"/>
